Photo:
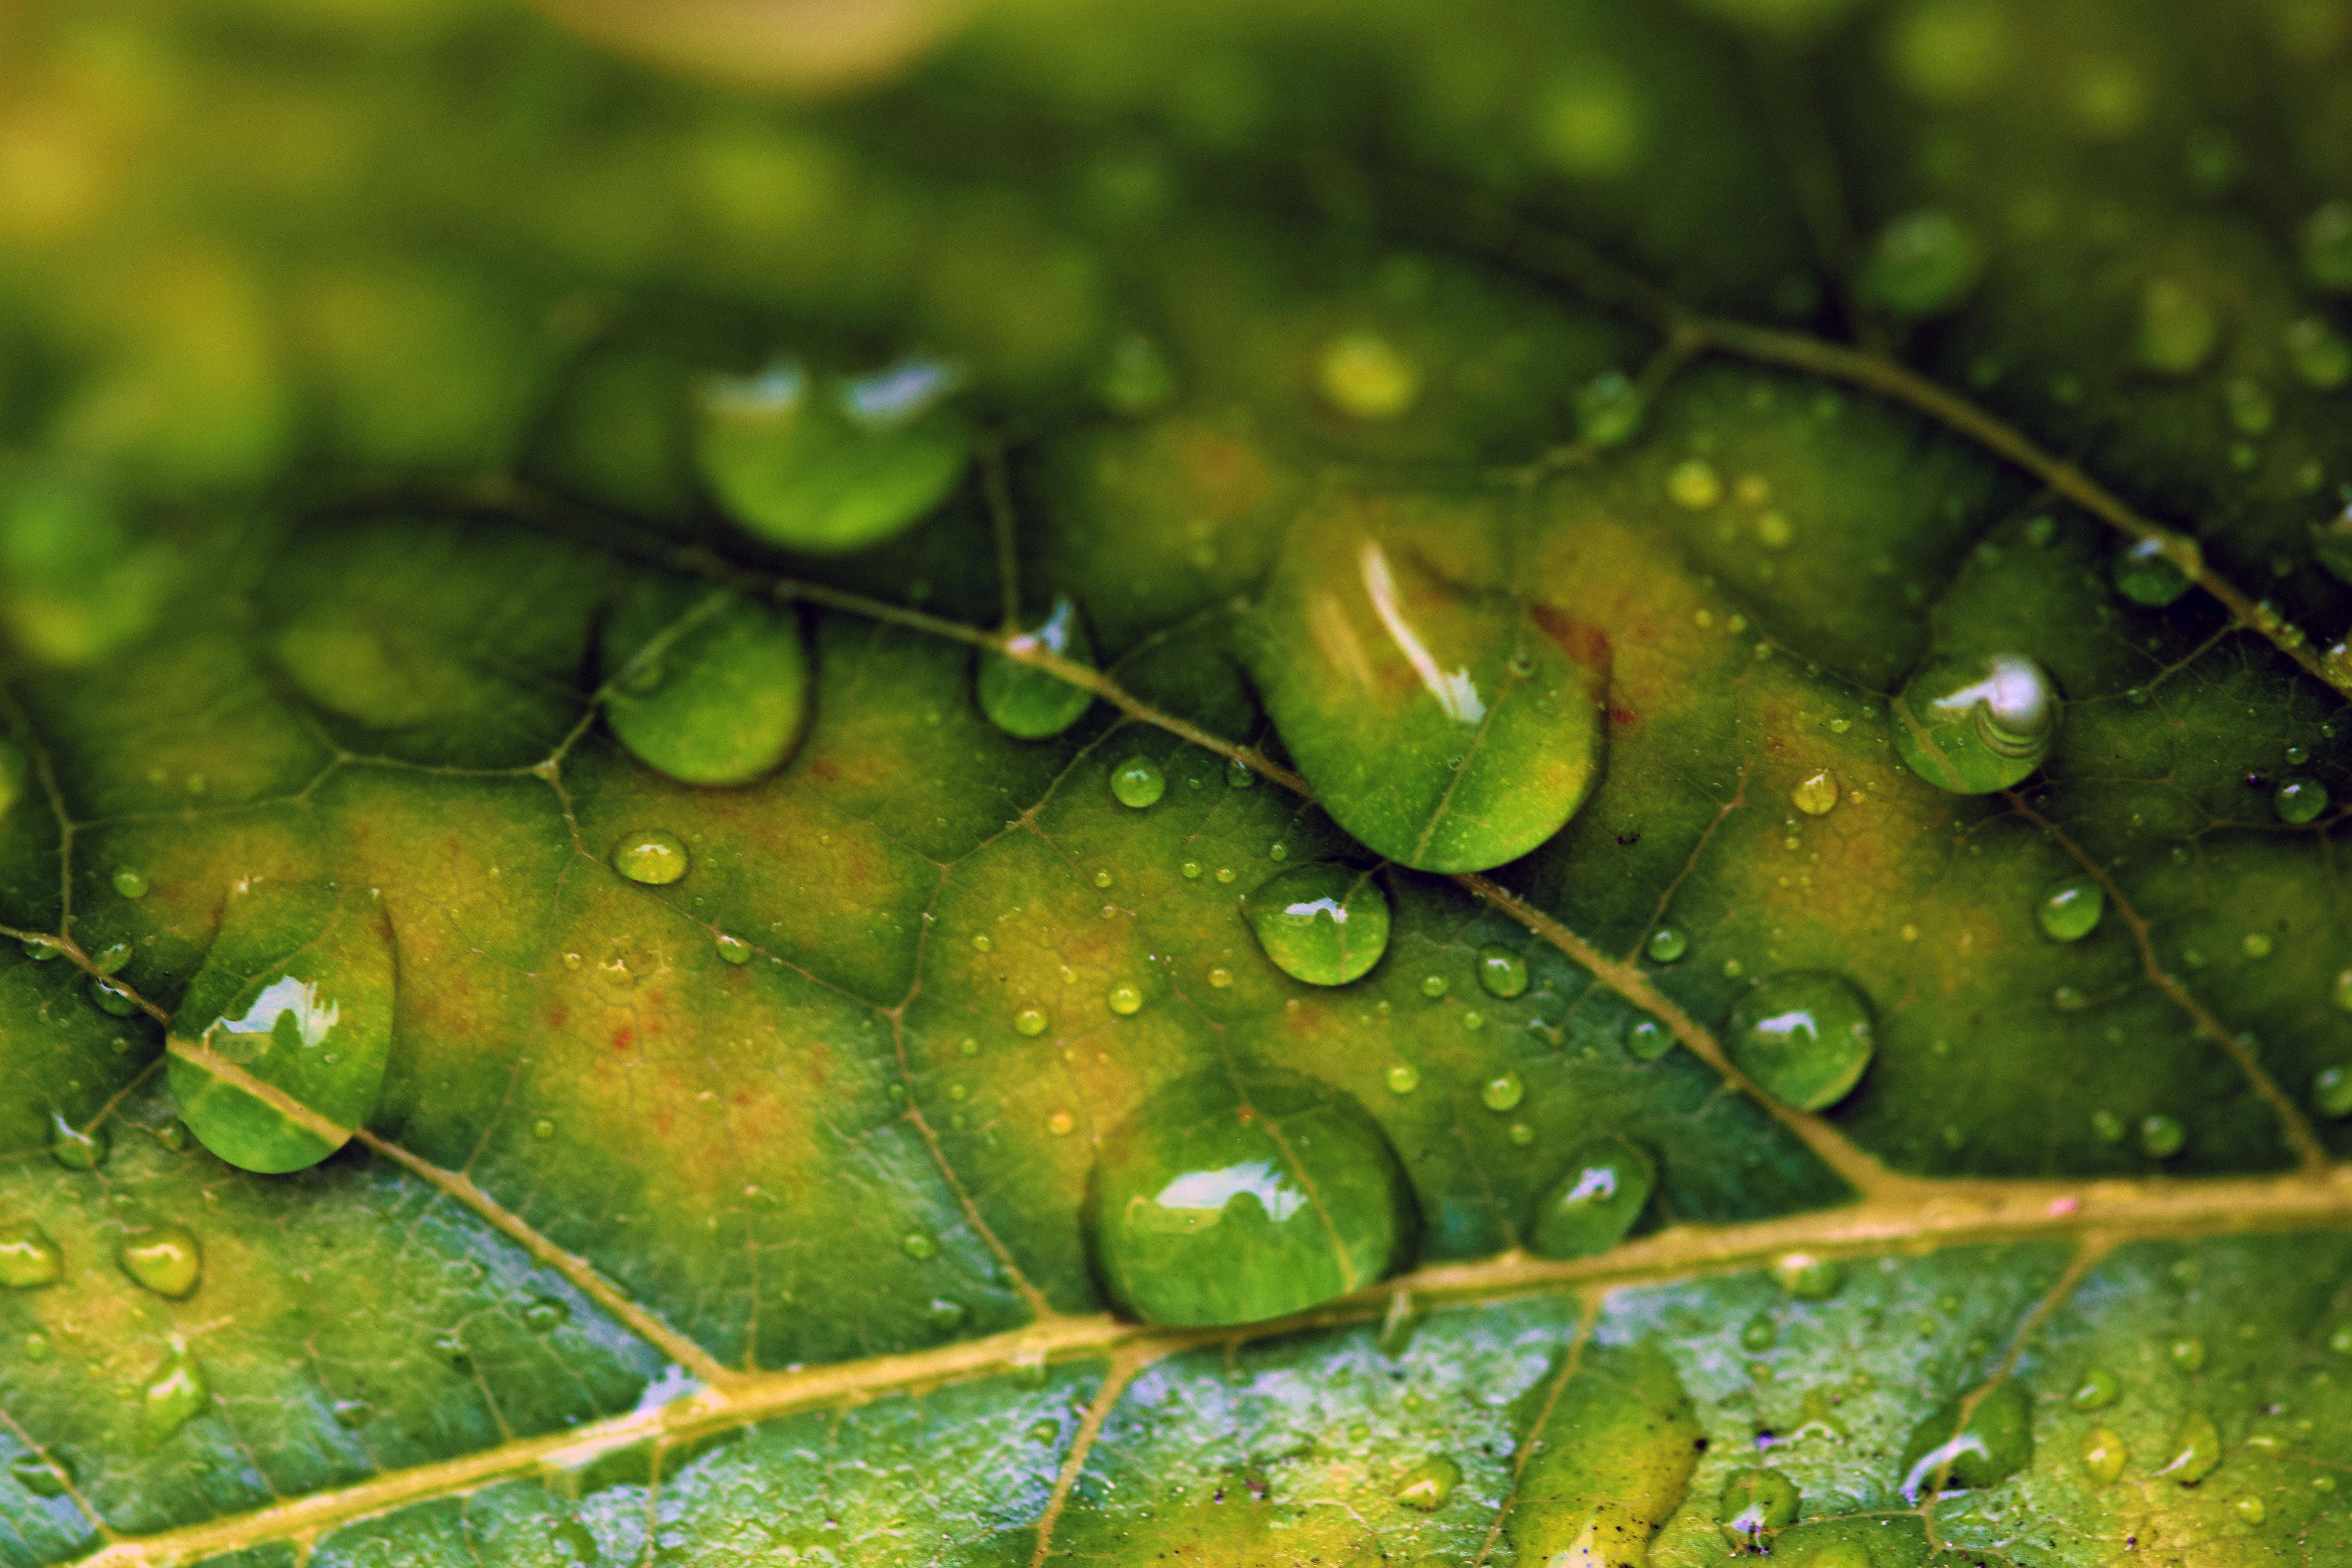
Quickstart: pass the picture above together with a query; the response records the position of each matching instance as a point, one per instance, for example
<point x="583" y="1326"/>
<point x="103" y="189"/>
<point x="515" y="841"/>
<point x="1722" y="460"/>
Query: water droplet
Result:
<point x="917" y="1246"/>
<point x="76" y="1149"/>
<point x="2098" y="1389"/>
<point x="1754" y="1504"/>
<point x="1977" y="1439"/>
<point x="2144" y="573"/>
<point x="1817" y="793"/>
<point x="2187" y="1353"/>
<point x="1976" y="725"/>
<point x="129" y="883"/>
<point x="174" y="1134"/>
<point x="1803" y="1037"/>
<point x="2250" y="1508"/>
<point x="1609" y="409"/>
<point x="2070" y="910"/>
<point x="1502" y="1092"/>
<point x="1501" y="970"/>
<point x="164" y="1259"/>
<point x="1432" y="986"/>
<point x="278" y="1048"/>
<point x="1190" y="870"/>
<point x="28" y="1257"/>
<point x="1428" y="1484"/>
<point x="110" y="959"/>
<point x="1667" y="943"/>
<point x="1221" y="978"/>
<point x="829" y="464"/>
<point x="2299" y="800"/>
<point x="705" y="686"/>
<point x="1377" y="671"/>
<point x="113" y="997"/>
<point x="1279" y="851"/>
<point x="1124" y="1000"/>
<point x="1025" y="701"/>
<point x="1030" y="1020"/>
<point x="1238" y="775"/>
<point x="2102" y="1454"/>
<point x="1760" y="1334"/>
<point x="544" y="1314"/>
<point x="2331" y="1090"/>
<point x="2161" y="1136"/>
<point x="174" y="1391"/>
<point x="2195" y="1450"/>
<point x="1231" y="1198"/>
<point x="653" y="856"/>
<point x="1061" y="1124"/>
<point x="44" y="1476"/>
<point x="2327" y="246"/>
<point x="1323" y="923"/>
<point x="1594" y="1204"/>
<point x="1361" y="376"/>
<point x="2179" y="327"/>
<point x="1922" y="264"/>
<point x="734" y="949"/>
<point x="1694" y="485"/>
<point x="1647" y="1039"/>
<point x="542" y="1128"/>
<point x="1138" y="782"/>
<point x="2256" y="944"/>
<point x="1403" y="1078"/>
<point x="1808" y="1278"/>
<point x="2321" y="355"/>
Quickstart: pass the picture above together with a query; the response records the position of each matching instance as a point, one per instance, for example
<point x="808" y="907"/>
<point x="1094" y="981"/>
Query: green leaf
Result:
<point x="1576" y="802"/>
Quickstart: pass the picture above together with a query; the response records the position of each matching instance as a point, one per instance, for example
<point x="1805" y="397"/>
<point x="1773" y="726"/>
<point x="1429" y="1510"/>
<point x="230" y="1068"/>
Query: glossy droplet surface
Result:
<point x="29" y="1258"/>
<point x="2102" y="1454"/>
<point x="129" y="883"/>
<point x="1666" y="944"/>
<point x="2144" y="575"/>
<point x="831" y="464"/>
<point x="2331" y="1090"/>
<point x="1025" y="701"/>
<point x="1395" y="683"/>
<point x="1808" y="1278"/>
<point x="2251" y="1509"/>
<point x="1815" y="794"/>
<point x="1974" y="725"/>
<point x="163" y="1258"/>
<point x="653" y="856"/>
<point x="1923" y="264"/>
<point x="1594" y="1204"/>
<point x="1234" y="1197"/>
<point x="1428" y="1484"/>
<point x="2299" y="800"/>
<point x="1979" y="1438"/>
<point x="1502" y="972"/>
<point x="708" y="687"/>
<point x="2161" y="1137"/>
<point x="1803" y="1037"/>
<point x="1124" y="1000"/>
<point x="2097" y="1390"/>
<point x="173" y="1392"/>
<point x="42" y="1476"/>
<point x="1030" y="1020"/>
<point x="277" y="1050"/>
<point x="1502" y="1092"/>
<point x="2070" y="910"/>
<point x="2194" y="1451"/>
<point x="76" y="1149"/>
<point x="1755" y="1503"/>
<point x="1647" y="1040"/>
<point x="1138" y="782"/>
<point x="1324" y="924"/>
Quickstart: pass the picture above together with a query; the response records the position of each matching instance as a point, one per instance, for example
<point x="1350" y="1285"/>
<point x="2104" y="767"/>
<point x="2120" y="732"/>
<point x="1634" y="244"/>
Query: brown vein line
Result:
<point x="1859" y="1169"/>
<point x="1569" y="1365"/>
<point x="590" y="1283"/>
<point x="2310" y="1153"/>
<point x="98" y="1524"/>
<point x="328" y="1131"/>
<point x="1890" y="379"/>
<point x="1124" y="1364"/>
<point x="1951" y="1213"/>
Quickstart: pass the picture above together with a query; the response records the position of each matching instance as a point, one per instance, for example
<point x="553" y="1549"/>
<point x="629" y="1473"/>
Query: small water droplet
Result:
<point x="1432" y="986"/>
<point x="1191" y="868"/>
<point x="1647" y="1039"/>
<point x="1124" y="1000"/>
<point x="1804" y="1036"/>
<point x="1427" y="1485"/>
<point x="1025" y="701"/>
<point x="2070" y="910"/>
<point x="163" y="1258"/>
<point x="1817" y="793"/>
<point x="542" y="1128"/>
<point x="1594" y="1204"/>
<point x="2256" y="944"/>
<point x="917" y="1246"/>
<point x="1922" y="264"/>
<point x="734" y="949"/>
<point x="129" y="883"/>
<point x="1976" y="725"/>
<point x="1754" y="1504"/>
<point x="76" y="1149"/>
<point x="1694" y="485"/>
<point x="172" y="1393"/>
<point x="2187" y="1353"/>
<point x="545" y="1314"/>
<point x="1502" y="1092"/>
<point x="653" y="856"/>
<point x="1609" y="409"/>
<point x="1103" y="879"/>
<point x="2098" y="1389"/>
<point x="1221" y="978"/>
<point x="2299" y="800"/>
<point x="28" y="1257"/>
<point x="2195" y="1450"/>
<point x="2102" y="1453"/>
<point x="2331" y="1090"/>
<point x="1403" y="1078"/>
<point x="1667" y="943"/>
<point x="1138" y="782"/>
<point x="2161" y="1137"/>
<point x="1808" y="1278"/>
<point x="1977" y="1439"/>
<point x="1030" y="1020"/>
<point x="2251" y="1509"/>
<point x="1361" y="376"/>
<point x="1061" y="1124"/>
<point x="1501" y="970"/>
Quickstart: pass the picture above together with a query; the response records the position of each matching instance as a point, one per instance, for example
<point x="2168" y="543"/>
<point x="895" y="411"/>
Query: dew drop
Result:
<point x="2331" y="1091"/>
<point x="1124" y="1000"/>
<point x="76" y="1149"/>
<point x="982" y="943"/>
<point x="43" y="1475"/>
<point x="1324" y="924"/>
<point x="653" y="856"/>
<point x="1138" y="782"/>
<point x="1609" y="409"/>
<point x="1025" y="701"/>
<point x="1808" y="1278"/>
<point x="1667" y="943"/>
<point x="1030" y="1020"/>
<point x="2187" y="1353"/>
<point x="113" y="997"/>
<point x="28" y="1257"/>
<point x="1760" y="1334"/>
<point x="2256" y="944"/>
<point x="1190" y="870"/>
<point x="2299" y="800"/>
<point x="2144" y="572"/>
<point x="2098" y="1389"/>
<point x="1978" y="1439"/>
<point x="1061" y="1124"/>
<point x="110" y="959"/>
<point x="544" y="1128"/>
<point x="173" y="1392"/>
<point x="704" y="687"/>
<point x="734" y="949"/>
<point x="1817" y="793"/>
<point x="544" y="1314"/>
<point x="2102" y="1453"/>
<point x="1976" y="725"/>
<point x="2194" y="1452"/>
<point x="1592" y="1207"/>
<point x="1694" y="485"/>
<point x="1403" y="1078"/>
<point x="129" y="883"/>
<point x="2070" y="910"/>
<point x="2161" y="1137"/>
<point x="2251" y="1509"/>
<point x="1923" y="264"/>
<point x="1804" y="1036"/>
<point x="1221" y="978"/>
<point x="917" y="1246"/>
<point x="1647" y="1039"/>
<point x="1754" y="1504"/>
<point x="1502" y="1092"/>
<point x="1432" y="986"/>
<point x="1427" y="1485"/>
<point x="1238" y="775"/>
<point x="163" y="1258"/>
<point x="1501" y="970"/>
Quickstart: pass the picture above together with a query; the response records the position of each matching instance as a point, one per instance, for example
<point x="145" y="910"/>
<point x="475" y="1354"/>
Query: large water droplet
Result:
<point x="653" y="856"/>
<point x="2144" y="573"/>
<point x="1030" y="703"/>
<point x="279" y="1048"/>
<point x="705" y="686"/>
<point x="173" y="1392"/>
<point x="2331" y="1090"/>
<point x="2069" y="910"/>
<point x="2102" y="1454"/>
<point x="1324" y="924"/>
<point x="1977" y="1439"/>
<point x="1978" y="724"/>
<point x="1428" y="1484"/>
<point x="1231" y="1197"/>
<point x="830" y="464"/>
<point x="1803" y="1037"/>
<point x="1138" y="782"/>
<point x="1591" y="1208"/>
<point x="1923" y="264"/>
<point x="163" y="1258"/>
<point x="1754" y="1504"/>
<point x="1815" y="794"/>
<point x="76" y="1148"/>
<point x="1609" y="1462"/>
<point x="1502" y="971"/>
<point x="28" y="1257"/>
<point x="1382" y="674"/>
<point x="2194" y="1452"/>
<point x="2299" y="800"/>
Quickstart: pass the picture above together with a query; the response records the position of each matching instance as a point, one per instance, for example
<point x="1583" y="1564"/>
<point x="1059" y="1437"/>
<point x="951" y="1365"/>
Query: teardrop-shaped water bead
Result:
<point x="705" y="685"/>
<point x="1030" y="703"/>
<point x="1324" y="924"/>
<point x="277" y="1050"/>
<point x="1450" y="727"/>
<point x="1976" y="724"/>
